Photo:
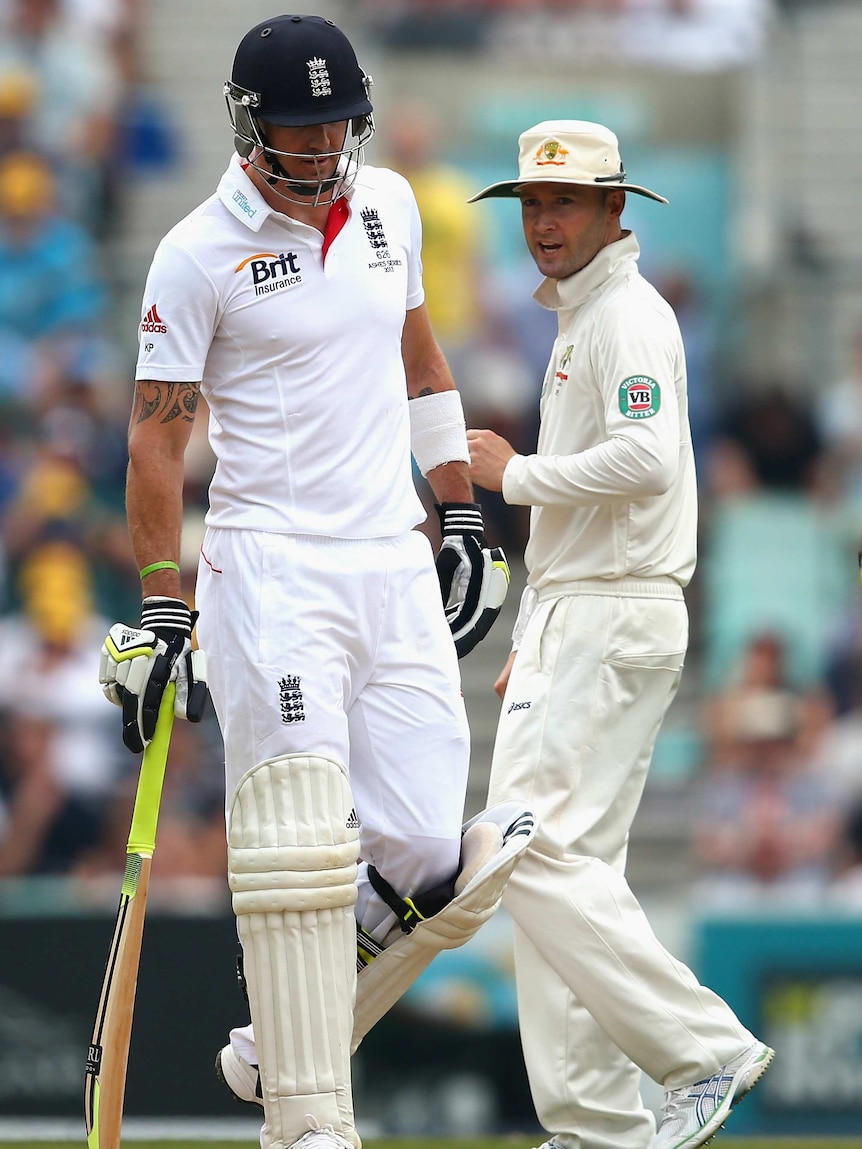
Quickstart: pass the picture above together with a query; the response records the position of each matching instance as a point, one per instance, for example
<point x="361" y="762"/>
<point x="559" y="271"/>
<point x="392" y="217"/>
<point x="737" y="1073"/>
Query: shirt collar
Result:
<point x="560" y="294"/>
<point x="241" y="198"/>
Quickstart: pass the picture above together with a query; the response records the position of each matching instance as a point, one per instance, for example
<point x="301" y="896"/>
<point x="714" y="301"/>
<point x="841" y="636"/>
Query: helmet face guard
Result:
<point x="297" y="71"/>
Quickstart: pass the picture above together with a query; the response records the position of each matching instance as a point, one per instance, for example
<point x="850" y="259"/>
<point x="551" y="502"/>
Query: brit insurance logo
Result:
<point x="377" y="239"/>
<point x="271" y="272"/>
<point x="640" y="397"/>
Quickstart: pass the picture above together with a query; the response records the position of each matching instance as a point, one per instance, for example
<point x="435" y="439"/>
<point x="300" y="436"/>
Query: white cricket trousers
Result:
<point x="340" y="648"/>
<point x="598" y="995"/>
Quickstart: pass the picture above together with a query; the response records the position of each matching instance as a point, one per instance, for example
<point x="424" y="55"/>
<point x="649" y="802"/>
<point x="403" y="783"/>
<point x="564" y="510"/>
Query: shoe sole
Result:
<point x="753" y="1074"/>
<point x="220" y="1074"/>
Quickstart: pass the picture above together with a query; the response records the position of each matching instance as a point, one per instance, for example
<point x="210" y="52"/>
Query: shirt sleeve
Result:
<point x="179" y="315"/>
<point x="636" y="359"/>
<point x="415" y="286"/>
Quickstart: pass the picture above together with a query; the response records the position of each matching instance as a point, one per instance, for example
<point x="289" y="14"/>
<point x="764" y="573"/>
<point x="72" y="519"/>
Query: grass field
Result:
<point x="725" y="1139"/>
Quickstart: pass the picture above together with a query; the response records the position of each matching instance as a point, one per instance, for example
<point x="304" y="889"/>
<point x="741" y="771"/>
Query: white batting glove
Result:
<point x="137" y="664"/>
<point x="474" y="579"/>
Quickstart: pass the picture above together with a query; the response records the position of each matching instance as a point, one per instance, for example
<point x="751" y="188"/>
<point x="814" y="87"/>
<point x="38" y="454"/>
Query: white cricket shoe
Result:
<point x="243" y="1080"/>
<point x="240" y="1076"/>
<point x="321" y="1137"/>
<point x="693" y="1114"/>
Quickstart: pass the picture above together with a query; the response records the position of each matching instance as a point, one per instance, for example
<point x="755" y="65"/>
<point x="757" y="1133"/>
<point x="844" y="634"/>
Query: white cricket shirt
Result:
<point x="298" y="352"/>
<point x="612" y="486"/>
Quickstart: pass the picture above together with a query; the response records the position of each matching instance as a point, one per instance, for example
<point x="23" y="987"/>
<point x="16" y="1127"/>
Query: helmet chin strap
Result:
<point x="278" y="173"/>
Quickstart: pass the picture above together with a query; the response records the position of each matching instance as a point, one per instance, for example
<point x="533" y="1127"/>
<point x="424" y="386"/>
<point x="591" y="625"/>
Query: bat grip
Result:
<point x="142" y="836"/>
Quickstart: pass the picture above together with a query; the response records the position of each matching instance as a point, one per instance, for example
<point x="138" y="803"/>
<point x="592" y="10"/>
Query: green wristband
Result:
<point x="166" y="565"/>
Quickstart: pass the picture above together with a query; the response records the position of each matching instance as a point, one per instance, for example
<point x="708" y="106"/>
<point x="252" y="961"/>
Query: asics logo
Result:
<point x="518" y="706"/>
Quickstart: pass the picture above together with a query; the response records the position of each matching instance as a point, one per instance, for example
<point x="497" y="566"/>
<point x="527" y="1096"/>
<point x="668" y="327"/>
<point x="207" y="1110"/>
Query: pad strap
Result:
<point x="411" y="911"/>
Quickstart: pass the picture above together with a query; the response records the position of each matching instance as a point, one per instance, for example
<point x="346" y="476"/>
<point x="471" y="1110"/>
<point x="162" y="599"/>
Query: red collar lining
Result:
<point x="335" y="221"/>
<point x="339" y="212"/>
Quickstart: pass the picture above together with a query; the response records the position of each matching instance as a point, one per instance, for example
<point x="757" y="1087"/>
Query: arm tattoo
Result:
<point x="166" y="401"/>
<point x="423" y="392"/>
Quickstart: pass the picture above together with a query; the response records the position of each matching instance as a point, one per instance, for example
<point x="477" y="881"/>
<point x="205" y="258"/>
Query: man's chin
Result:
<point x="552" y="268"/>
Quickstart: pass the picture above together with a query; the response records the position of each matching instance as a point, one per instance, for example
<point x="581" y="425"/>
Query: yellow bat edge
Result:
<point x="108" y="1052"/>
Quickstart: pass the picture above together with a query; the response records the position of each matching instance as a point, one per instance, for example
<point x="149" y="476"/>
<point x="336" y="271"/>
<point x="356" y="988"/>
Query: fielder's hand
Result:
<point x="473" y="578"/>
<point x="137" y="665"/>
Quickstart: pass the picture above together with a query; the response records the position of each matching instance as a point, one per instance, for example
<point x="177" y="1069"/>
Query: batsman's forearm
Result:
<point x="154" y="510"/>
<point x="451" y="483"/>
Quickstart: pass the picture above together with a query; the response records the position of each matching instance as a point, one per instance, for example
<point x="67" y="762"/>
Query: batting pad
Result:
<point x="491" y="845"/>
<point x="292" y="864"/>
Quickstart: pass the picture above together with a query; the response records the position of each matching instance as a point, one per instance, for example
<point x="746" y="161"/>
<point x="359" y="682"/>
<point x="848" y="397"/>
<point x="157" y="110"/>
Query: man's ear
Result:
<point x="616" y="202"/>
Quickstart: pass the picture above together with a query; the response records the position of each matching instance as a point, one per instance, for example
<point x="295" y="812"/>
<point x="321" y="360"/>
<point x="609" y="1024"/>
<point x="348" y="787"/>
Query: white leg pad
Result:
<point x="292" y="865"/>
<point x="491" y="845"/>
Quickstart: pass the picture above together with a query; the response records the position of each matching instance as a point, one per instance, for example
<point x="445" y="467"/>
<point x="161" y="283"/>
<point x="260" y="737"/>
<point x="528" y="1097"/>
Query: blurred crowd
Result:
<point x="78" y="123"/>
<point x="686" y="34"/>
<point x="775" y="672"/>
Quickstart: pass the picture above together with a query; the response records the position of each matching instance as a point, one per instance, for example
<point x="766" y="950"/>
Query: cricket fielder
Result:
<point x="600" y="643"/>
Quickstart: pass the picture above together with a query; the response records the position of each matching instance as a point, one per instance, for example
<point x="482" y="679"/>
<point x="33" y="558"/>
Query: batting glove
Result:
<point x="137" y="665"/>
<point x="473" y="578"/>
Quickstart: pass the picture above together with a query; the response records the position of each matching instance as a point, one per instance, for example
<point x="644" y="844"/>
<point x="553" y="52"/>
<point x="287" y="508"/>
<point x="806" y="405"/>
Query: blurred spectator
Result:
<point x="451" y="235"/>
<point x="191" y="833"/>
<point x="839" y="415"/>
<point x="760" y="687"/>
<point x="695" y="35"/>
<point x="501" y="393"/>
<point x="776" y="553"/>
<point x="845" y="890"/>
<point x="450" y="249"/>
<point x="77" y="87"/>
<point x="49" y="286"/>
<point x="766" y="825"/>
<point x="698" y="335"/>
<point x="837" y="755"/>
<point x="68" y="485"/>
<point x="60" y="760"/>
<point x="17" y="96"/>
<point x="469" y="311"/>
<point x="776" y="438"/>
<point x="429" y="26"/>
<point x="689" y="35"/>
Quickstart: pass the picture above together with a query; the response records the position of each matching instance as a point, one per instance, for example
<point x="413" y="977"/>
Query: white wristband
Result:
<point x="438" y="433"/>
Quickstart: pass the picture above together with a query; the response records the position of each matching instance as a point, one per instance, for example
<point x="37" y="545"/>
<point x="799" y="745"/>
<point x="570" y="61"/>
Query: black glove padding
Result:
<point x="473" y="578"/>
<point x="137" y="665"/>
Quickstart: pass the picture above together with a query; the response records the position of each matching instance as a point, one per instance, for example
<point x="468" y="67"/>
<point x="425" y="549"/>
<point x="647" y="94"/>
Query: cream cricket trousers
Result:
<point x="599" y="997"/>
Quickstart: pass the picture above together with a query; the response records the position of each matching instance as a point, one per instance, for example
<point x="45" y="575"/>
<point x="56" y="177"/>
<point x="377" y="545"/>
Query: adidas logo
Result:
<point x="352" y="821"/>
<point x="153" y="322"/>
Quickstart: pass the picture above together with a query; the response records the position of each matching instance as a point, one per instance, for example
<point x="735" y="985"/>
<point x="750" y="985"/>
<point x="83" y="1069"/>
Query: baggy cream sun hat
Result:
<point x="571" y="152"/>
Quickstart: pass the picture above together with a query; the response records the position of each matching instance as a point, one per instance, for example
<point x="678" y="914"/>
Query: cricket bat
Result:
<point x="108" y="1053"/>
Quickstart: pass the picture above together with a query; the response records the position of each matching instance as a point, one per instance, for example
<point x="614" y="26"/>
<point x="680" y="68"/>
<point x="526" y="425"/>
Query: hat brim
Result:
<point x="509" y="188"/>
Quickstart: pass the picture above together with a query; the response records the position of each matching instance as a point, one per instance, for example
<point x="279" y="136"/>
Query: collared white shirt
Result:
<point x="612" y="485"/>
<point x="298" y="351"/>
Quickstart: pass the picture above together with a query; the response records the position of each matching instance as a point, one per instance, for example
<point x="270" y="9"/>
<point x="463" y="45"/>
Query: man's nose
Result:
<point x="320" y="138"/>
<point x="546" y="219"/>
